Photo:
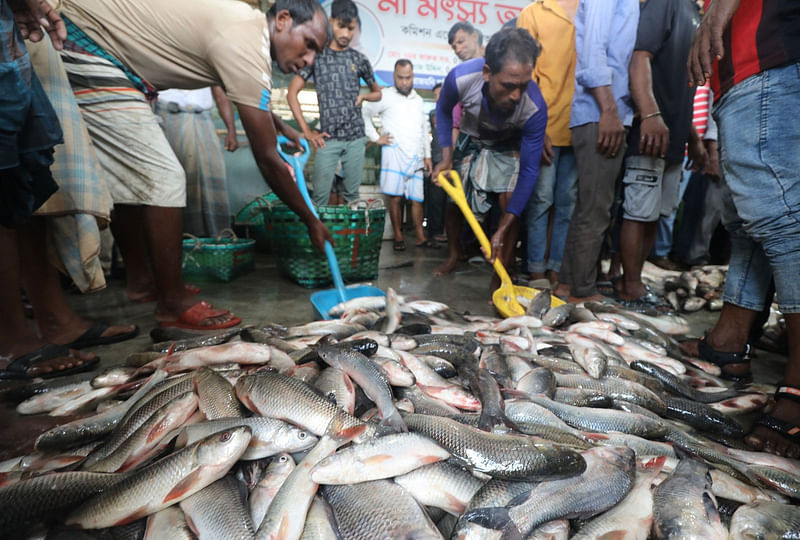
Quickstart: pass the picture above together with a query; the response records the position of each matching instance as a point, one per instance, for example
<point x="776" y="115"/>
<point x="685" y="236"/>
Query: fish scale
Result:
<point x="360" y="518"/>
<point x="218" y="511"/>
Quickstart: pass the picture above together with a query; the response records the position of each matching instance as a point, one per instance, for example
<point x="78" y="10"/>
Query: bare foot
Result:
<point x="765" y="439"/>
<point x="536" y="275"/>
<point x="446" y="267"/>
<point x="562" y="290"/>
<point x="740" y="369"/>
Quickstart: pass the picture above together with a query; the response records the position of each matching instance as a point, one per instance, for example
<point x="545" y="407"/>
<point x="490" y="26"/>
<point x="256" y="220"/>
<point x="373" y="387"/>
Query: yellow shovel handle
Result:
<point x="456" y="192"/>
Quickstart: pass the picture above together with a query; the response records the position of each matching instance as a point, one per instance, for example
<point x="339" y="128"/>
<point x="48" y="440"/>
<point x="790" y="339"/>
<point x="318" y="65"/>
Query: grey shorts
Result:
<point x="651" y="191"/>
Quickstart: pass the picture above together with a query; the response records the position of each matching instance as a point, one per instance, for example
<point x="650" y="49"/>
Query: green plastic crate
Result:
<point x="218" y="258"/>
<point x="357" y="234"/>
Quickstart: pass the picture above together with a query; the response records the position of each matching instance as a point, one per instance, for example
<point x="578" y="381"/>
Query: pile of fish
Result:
<point x="406" y="419"/>
<point x="688" y="291"/>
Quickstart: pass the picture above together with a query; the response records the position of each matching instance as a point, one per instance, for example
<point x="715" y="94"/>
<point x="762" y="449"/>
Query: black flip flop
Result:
<point x="94" y="336"/>
<point x="428" y="244"/>
<point x="399" y="245"/>
<point x="18" y="368"/>
<point x="784" y="428"/>
<point x="722" y="359"/>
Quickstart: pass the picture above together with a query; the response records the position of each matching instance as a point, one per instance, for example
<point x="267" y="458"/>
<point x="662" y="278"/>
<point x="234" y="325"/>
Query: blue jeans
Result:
<point x="557" y="188"/>
<point x="760" y="155"/>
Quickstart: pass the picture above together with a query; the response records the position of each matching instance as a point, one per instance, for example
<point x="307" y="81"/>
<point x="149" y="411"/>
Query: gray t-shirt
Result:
<point x="336" y="76"/>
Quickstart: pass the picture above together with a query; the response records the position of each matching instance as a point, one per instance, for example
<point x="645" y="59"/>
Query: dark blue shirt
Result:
<point x="523" y="128"/>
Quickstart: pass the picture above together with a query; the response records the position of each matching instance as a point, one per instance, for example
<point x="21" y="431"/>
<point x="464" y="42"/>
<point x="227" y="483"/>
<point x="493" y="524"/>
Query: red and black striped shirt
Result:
<point x="763" y="34"/>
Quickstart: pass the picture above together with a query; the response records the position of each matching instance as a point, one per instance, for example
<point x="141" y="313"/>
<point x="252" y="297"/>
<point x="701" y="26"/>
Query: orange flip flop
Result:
<point x="193" y="318"/>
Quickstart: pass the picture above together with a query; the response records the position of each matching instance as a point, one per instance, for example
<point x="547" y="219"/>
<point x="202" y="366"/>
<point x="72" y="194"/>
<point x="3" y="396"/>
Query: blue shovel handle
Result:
<point x="298" y="161"/>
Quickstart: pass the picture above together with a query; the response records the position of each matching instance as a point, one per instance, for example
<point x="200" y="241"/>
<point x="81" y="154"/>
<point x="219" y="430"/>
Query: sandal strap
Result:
<point x="790" y="431"/>
<point x="722" y="358"/>
<point x="788" y="392"/>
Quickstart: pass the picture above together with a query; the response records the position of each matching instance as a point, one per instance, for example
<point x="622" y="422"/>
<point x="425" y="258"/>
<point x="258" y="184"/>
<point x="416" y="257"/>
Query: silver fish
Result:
<point x="608" y="477"/>
<point x="218" y="511"/>
<point x="359" y="518"/>
<point x="385" y="457"/>
<point x="684" y="506"/>
<point x="320" y="523"/>
<point x="765" y="520"/>
<point x="270" y="436"/>
<point x="442" y="485"/>
<point x="369" y="377"/>
<point x="261" y="497"/>
<point x="216" y="397"/>
<point x="164" y="483"/>
<point x="501" y="456"/>
<point x="278" y="396"/>
<point x="168" y="523"/>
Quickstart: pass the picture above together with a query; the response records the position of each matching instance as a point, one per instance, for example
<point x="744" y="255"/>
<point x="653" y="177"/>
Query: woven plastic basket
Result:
<point x="357" y="231"/>
<point x="252" y="219"/>
<point x="218" y="258"/>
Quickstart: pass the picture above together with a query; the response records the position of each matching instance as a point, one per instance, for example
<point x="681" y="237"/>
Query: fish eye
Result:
<point x="283" y="459"/>
<point x="225" y="436"/>
<point x="302" y="435"/>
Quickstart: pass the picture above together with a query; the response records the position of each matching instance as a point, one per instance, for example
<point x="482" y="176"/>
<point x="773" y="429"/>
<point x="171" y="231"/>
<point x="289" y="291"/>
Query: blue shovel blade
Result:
<point x="323" y="301"/>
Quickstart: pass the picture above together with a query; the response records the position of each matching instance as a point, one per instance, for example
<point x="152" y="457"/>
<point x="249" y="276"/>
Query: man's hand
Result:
<point x="231" y="141"/>
<point x="712" y="165"/>
<point x="385" y="140"/>
<point x="33" y="15"/>
<point x="547" y="151"/>
<point x="653" y="137"/>
<point x="427" y="166"/>
<point x="696" y="154"/>
<point x="610" y="133"/>
<point x="317" y="139"/>
<point x="443" y="167"/>
<point x="360" y="99"/>
<point x="319" y="234"/>
<point x="500" y="236"/>
<point x="707" y="44"/>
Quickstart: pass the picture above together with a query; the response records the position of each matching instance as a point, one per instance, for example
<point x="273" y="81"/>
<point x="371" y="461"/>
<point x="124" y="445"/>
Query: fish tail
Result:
<point x="395" y="422"/>
<point x="490" y="517"/>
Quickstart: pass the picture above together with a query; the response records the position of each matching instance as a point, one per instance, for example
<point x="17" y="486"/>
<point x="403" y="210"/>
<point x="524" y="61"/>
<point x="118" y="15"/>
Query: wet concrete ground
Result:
<point x="264" y="296"/>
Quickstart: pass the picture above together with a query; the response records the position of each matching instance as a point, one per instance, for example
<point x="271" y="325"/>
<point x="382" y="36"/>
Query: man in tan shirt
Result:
<point x="118" y="53"/>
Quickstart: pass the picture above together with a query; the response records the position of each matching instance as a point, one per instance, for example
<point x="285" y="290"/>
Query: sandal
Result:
<point x="94" y="336"/>
<point x="194" y="317"/>
<point x="428" y="244"/>
<point x="399" y="245"/>
<point x="18" y="368"/>
<point x="722" y="359"/>
<point x="784" y="428"/>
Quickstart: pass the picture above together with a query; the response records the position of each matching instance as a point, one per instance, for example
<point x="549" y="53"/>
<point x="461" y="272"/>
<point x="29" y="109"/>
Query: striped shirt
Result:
<point x="763" y="34"/>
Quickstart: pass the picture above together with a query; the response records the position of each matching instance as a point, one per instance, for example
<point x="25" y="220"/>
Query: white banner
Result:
<point x="417" y="30"/>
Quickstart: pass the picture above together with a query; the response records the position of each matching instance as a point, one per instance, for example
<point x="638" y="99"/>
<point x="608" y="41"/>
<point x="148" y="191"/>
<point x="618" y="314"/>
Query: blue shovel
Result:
<point x="323" y="301"/>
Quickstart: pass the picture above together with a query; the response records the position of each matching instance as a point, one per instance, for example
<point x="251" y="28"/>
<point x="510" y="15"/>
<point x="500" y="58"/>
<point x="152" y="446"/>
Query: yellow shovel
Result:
<point x="504" y="298"/>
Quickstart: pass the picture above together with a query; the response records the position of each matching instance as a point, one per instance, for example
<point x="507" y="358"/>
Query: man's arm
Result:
<point x="225" y="109"/>
<point x="316" y="138"/>
<point x="707" y="44"/>
<point x="593" y="72"/>
<point x="654" y="133"/>
<point x="444" y="123"/>
<point x="260" y="129"/>
<point x="374" y="94"/>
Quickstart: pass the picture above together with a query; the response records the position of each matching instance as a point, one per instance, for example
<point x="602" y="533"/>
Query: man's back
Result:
<point x="183" y="43"/>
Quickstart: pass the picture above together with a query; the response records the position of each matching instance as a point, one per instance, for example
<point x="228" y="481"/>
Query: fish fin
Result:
<point x="395" y="421"/>
<point x="710" y="506"/>
<point x="182" y="487"/>
<point x="377" y="459"/>
<point x="489" y="517"/>
<point x="133" y="516"/>
<point x="593" y="437"/>
<point x="655" y="464"/>
<point x="613" y="535"/>
<point x="337" y="431"/>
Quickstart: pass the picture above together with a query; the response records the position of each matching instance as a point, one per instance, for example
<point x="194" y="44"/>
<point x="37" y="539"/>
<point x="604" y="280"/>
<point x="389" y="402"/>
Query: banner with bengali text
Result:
<point x="417" y="30"/>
